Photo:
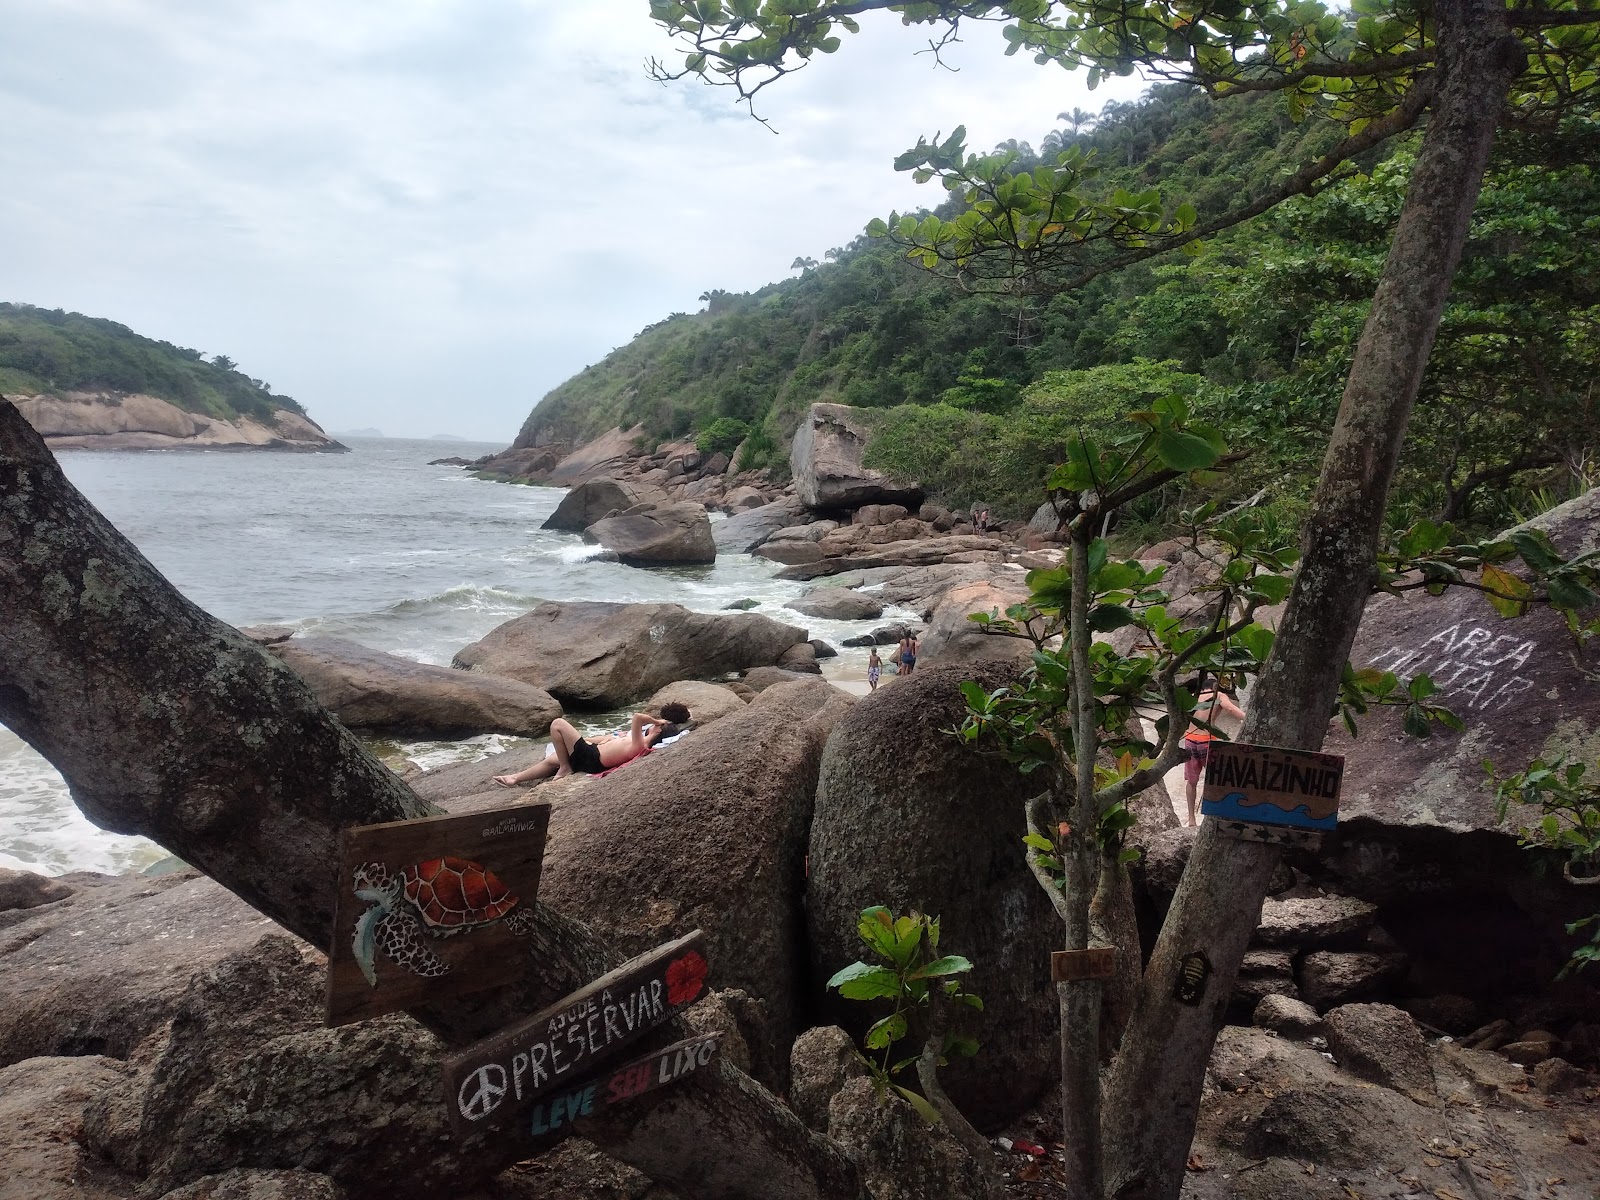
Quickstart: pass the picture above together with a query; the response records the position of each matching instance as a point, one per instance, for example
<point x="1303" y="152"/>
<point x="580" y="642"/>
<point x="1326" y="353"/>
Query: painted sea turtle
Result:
<point x="436" y="898"/>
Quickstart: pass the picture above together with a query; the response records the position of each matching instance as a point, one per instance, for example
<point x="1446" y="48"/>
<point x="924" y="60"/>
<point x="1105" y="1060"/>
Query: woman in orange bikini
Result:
<point x="1197" y="741"/>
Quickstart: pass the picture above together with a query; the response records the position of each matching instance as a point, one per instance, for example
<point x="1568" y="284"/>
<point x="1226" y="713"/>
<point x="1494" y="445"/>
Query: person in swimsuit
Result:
<point x="874" y="669"/>
<point x="908" y="654"/>
<point x="570" y="751"/>
<point x="1197" y="741"/>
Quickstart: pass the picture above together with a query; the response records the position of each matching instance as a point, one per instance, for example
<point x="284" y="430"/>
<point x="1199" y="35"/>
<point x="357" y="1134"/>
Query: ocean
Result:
<point x="376" y="546"/>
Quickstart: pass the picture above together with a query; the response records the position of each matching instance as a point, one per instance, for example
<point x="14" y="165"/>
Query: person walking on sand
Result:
<point x="874" y="669"/>
<point x="570" y="751"/>
<point x="1197" y="741"/>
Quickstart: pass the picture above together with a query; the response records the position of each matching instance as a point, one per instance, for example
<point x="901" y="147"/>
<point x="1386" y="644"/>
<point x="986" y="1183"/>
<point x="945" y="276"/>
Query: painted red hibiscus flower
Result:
<point x="685" y="977"/>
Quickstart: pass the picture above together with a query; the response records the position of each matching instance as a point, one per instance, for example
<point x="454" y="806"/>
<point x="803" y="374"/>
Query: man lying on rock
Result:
<point x="570" y="751"/>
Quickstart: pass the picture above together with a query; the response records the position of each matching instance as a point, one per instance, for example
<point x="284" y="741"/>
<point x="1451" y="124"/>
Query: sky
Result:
<point x="422" y="215"/>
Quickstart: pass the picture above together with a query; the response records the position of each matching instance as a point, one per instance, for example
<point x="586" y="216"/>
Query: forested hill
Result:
<point x="979" y="392"/>
<point x="48" y="351"/>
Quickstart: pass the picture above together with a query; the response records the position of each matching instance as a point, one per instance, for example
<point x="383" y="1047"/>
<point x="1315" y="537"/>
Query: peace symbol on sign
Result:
<point x="482" y="1091"/>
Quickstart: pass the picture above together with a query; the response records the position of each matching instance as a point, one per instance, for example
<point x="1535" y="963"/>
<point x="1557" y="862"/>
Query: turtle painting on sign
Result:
<point x="437" y="898"/>
<point x="433" y="908"/>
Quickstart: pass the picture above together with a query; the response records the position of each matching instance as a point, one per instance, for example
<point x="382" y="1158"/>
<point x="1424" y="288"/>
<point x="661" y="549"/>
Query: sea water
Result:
<point x="375" y="546"/>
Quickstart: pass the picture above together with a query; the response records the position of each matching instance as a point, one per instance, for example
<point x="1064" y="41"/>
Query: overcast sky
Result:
<point x="421" y="215"/>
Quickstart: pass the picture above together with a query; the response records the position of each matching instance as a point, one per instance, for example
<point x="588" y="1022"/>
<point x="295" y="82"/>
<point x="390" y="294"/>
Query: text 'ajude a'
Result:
<point x="553" y="1048"/>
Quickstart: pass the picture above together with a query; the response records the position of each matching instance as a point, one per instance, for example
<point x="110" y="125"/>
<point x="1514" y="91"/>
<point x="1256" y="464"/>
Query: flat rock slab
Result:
<point x="744" y="531"/>
<point x="42" y="1103"/>
<point x="1314" y="922"/>
<point x="368" y="689"/>
<point x="837" y="604"/>
<point x="98" y="972"/>
<point x="1512" y="682"/>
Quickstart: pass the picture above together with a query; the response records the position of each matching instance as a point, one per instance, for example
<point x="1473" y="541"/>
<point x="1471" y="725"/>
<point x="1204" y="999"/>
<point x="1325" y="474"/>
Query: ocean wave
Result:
<point x="471" y="596"/>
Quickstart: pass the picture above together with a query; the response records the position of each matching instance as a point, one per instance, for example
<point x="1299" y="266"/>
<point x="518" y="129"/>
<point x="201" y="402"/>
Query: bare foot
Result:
<point x="505" y="780"/>
<point x="563" y="772"/>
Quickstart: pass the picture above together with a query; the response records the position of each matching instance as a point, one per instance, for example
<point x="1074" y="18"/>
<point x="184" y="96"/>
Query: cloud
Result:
<point x="423" y="214"/>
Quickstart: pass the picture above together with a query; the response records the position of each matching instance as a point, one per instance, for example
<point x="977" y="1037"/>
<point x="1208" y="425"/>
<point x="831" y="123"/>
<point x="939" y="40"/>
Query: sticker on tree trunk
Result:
<point x="433" y="908"/>
<point x="1194" y="970"/>
<point x="553" y="1116"/>
<point x="501" y="1075"/>
<point x="1293" y="789"/>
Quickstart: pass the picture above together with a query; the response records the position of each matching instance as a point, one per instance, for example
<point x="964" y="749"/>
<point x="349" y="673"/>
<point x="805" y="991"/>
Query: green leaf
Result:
<point x="1180" y="451"/>
<point x="1103" y="618"/>
<point x="863" y="981"/>
<point x="950" y="964"/>
<point x="1039" y="842"/>
<point x="886" y="1032"/>
<point x="960" y="1045"/>
<point x="924" y="1110"/>
<point x="1512" y="592"/>
<point x="971" y="1001"/>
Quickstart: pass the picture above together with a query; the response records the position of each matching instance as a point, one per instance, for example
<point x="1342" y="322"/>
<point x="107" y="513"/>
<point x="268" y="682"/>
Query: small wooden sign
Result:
<point x="1295" y="789"/>
<point x="1097" y="962"/>
<point x="433" y="908"/>
<point x="493" y="1079"/>
<point x="553" y="1116"/>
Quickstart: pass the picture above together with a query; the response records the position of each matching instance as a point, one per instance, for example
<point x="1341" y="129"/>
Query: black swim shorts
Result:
<point x="585" y="757"/>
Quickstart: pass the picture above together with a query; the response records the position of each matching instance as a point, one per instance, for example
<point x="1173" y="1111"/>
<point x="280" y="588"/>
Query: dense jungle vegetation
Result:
<point x="47" y="350"/>
<point x="978" y="391"/>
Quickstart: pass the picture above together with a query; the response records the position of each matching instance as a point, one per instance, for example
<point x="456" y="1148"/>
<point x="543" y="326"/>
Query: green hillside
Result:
<point x="48" y="350"/>
<point x="979" y="392"/>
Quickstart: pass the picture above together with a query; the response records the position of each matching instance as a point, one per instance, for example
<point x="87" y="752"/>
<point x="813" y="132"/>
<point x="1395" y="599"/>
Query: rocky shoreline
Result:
<point x="108" y="420"/>
<point x="1395" y="1029"/>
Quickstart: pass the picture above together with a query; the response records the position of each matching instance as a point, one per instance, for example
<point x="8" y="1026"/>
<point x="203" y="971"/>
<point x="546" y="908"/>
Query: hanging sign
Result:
<point x="553" y="1049"/>
<point x="553" y="1116"/>
<point x="1097" y="962"/>
<point x="1262" y="785"/>
<point x="433" y="908"/>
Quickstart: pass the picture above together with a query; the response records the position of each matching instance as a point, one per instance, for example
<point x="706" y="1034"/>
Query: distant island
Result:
<point x="86" y="383"/>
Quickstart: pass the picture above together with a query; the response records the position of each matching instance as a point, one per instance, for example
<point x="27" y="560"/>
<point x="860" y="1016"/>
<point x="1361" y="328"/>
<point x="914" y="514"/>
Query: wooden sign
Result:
<point x="1097" y="962"/>
<point x="1194" y="970"/>
<point x="1295" y="789"/>
<point x="433" y="908"/>
<point x="553" y="1116"/>
<point x="503" y="1074"/>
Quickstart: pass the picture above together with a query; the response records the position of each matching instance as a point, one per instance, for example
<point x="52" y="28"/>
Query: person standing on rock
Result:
<point x="874" y="669"/>
<point x="570" y="751"/>
<point x="1197" y="741"/>
<point x="908" y="653"/>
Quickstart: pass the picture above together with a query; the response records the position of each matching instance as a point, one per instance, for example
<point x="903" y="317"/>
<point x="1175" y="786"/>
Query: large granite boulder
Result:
<point x="97" y="972"/>
<point x="26" y="889"/>
<point x="596" y="498"/>
<point x="837" y="604"/>
<point x="952" y="637"/>
<point x="825" y="457"/>
<point x="368" y="689"/>
<point x="606" y="455"/>
<point x="601" y="655"/>
<point x="660" y="535"/>
<point x="912" y="552"/>
<point x="1512" y="682"/>
<point x="42" y="1102"/>
<point x="909" y="817"/>
<point x="708" y="833"/>
<point x="246" y="1077"/>
<point x="744" y="531"/>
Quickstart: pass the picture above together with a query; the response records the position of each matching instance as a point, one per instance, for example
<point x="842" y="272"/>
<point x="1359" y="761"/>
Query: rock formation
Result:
<point x="825" y="457"/>
<point x="594" y="499"/>
<point x="657" y="535"/>
<point x="600" y="655"/>
<point x="368" y="689"/>
<point x="107" y="420"/>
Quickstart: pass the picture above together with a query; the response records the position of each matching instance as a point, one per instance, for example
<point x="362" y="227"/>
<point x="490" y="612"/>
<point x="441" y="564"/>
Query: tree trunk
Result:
<point x="1113" y="922"/>
<point x="1155" y="1087"/>
<point x="170" y="724"/>
<point x="1080" y="999"/>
